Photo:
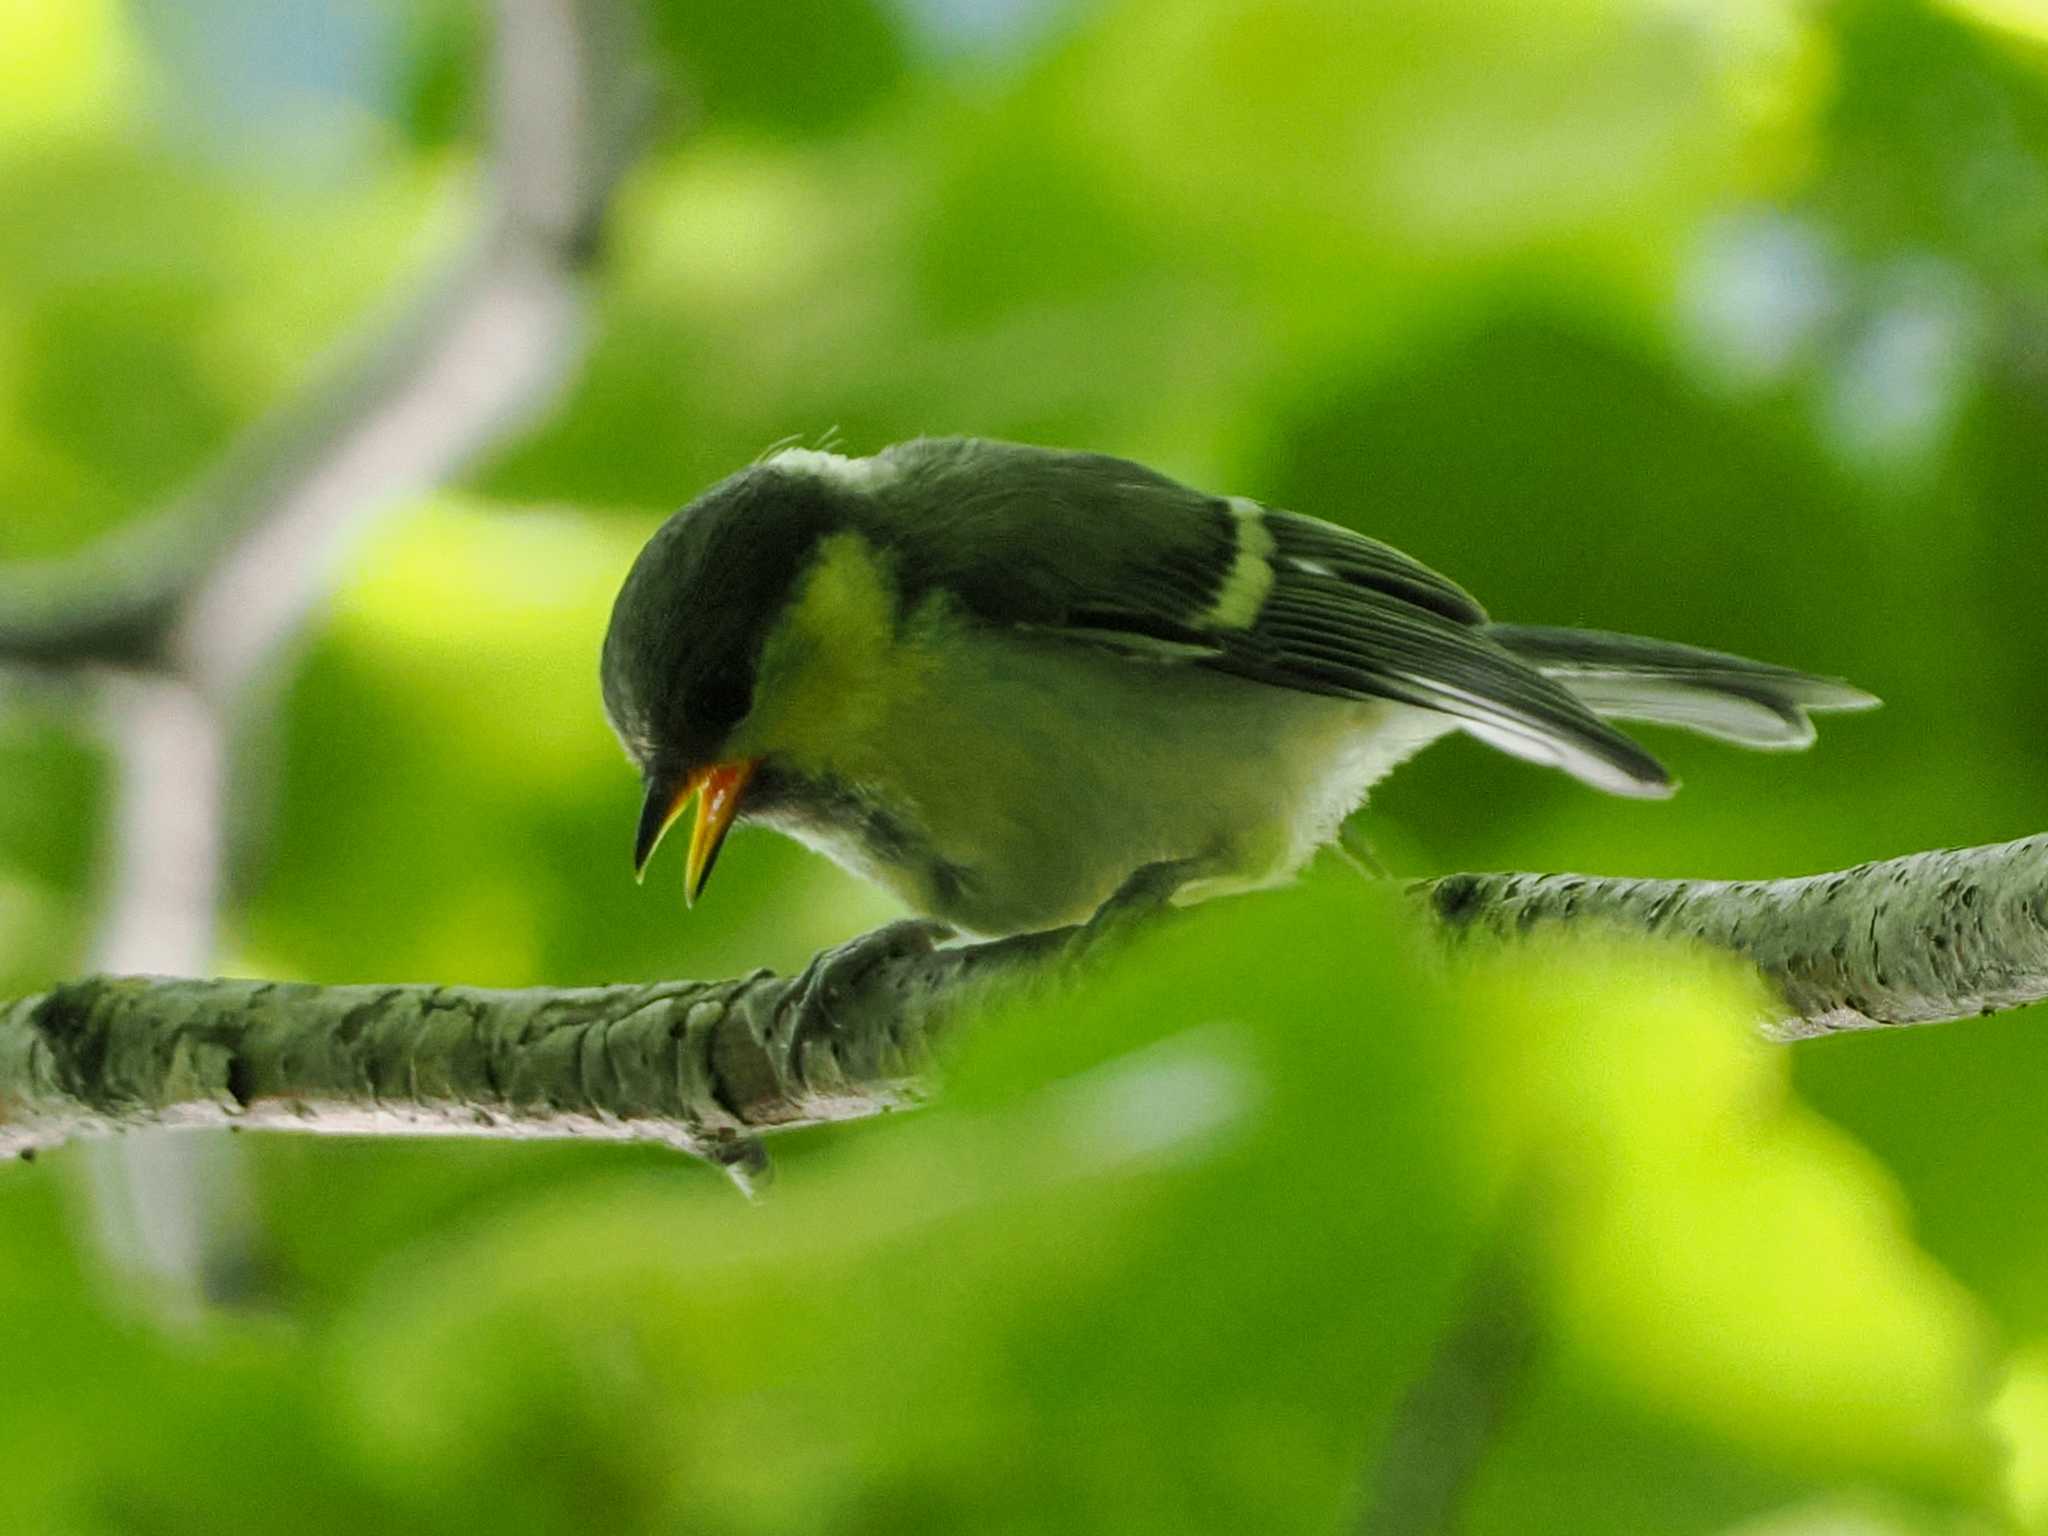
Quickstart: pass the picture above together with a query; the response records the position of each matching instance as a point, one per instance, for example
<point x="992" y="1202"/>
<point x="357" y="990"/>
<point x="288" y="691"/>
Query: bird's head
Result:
<point x="683" y="668"/>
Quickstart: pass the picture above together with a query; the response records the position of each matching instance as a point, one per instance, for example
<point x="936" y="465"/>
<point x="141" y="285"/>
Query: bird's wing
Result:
<point x="1108" y="553"/>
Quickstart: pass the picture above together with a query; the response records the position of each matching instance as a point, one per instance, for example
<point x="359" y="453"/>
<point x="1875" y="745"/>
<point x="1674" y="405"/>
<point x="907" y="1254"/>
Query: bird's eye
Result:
<point x="720" y="700"/>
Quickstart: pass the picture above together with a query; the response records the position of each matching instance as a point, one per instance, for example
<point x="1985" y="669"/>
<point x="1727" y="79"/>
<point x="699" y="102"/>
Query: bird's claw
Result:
<point x="841" y="970"/>
<point x="745" y="1161"/>
<point x="905" y="938"/>
<point x="1355" y="850"/>
<point x="1146" y="892"/>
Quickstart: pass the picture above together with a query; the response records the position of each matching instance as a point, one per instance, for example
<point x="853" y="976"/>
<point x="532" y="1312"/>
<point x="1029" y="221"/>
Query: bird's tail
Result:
<point x="1628" y="677"/>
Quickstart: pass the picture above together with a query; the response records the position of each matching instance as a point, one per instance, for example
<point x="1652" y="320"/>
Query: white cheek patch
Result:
<point x="1245" y="589"/>
<point x="858" y="473"/>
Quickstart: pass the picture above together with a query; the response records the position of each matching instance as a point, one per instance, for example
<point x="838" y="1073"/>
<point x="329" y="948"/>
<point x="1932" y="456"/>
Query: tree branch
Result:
<point x="1450" y="1417"/>
<point x="697" y="1065"/>
<point x="1917" y="940"/>
<point x="703" y="1065"/>
<point x="209" y="586"/>
<point x="180" y="616"/>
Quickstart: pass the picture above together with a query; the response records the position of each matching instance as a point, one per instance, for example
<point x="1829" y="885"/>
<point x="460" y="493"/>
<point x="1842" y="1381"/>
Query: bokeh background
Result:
<point x="1724" y="320"/>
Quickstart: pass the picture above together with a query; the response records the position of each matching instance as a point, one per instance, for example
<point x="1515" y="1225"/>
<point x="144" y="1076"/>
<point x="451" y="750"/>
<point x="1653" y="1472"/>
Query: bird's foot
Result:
<point x="845" y="966"/>
<point x="808" y="1011"/>
<point x="1147" y="892"/>
<point x="1353" y="848"/>
<point x="745" y="1161"/>
<point x="840" y="972"/>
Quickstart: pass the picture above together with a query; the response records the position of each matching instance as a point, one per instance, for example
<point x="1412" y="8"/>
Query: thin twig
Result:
<point x="184" y="613"/>
<point x="210" y="586"/>
<point x="1451" y="1416"/>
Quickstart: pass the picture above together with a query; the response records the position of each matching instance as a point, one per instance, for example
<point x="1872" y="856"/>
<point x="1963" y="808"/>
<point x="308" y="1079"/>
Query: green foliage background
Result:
<point x="1725" y="320"/>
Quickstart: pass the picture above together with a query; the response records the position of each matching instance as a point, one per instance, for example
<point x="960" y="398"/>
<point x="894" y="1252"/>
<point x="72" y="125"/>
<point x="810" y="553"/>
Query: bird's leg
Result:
<point x="1146" y="892"/>
<point x="841" y="969"/>
<point x="806" y="1012"/>
<point x="840" y="972"/>
<point x="1353" y="849"/>
<point x="745" y="1161"/>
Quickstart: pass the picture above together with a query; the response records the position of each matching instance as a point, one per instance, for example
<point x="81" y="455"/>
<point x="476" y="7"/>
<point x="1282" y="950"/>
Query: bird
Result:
<point x="1000" y="681"/>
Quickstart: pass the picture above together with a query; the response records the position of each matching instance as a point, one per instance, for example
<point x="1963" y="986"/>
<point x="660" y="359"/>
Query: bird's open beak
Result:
<point x="717" y="790"/>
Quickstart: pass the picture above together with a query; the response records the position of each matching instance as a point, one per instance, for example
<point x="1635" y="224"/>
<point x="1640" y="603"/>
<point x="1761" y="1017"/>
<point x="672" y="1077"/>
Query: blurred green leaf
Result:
<point x="63" y="69"/>
<point x="1714" y="1246"/>
<point x="1106" y="1285"/>
<point x="1717" y="320"/>
<point x="801" y="67"/>
<point x="441" y="90"/>
<point x="50" y="833"/>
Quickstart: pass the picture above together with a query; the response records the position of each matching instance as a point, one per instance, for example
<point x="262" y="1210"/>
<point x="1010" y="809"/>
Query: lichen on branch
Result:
<point x="1923" y="939"/>
<point x="704" y="1066"/>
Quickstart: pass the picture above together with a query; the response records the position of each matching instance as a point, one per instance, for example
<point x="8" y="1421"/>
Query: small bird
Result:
<point x="1000" y="680"/>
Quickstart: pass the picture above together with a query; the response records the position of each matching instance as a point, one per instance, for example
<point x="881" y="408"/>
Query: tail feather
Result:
<point x="1630" y="677"/>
